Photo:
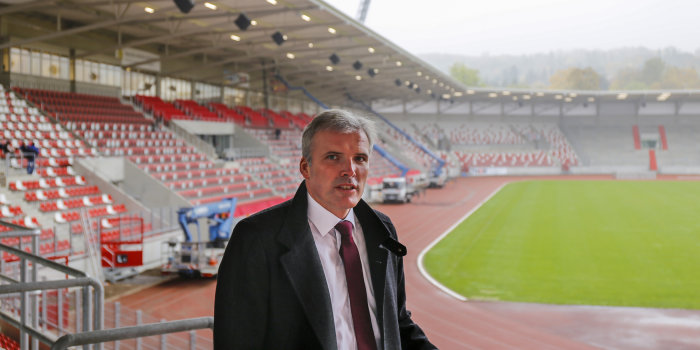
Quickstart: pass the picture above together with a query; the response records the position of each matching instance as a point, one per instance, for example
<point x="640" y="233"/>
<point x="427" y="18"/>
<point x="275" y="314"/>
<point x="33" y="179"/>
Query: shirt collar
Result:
<point x="323" y="219"/>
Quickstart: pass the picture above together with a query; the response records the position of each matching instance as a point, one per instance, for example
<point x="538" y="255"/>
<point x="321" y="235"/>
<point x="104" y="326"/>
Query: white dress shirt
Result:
<point x="327" y="240"/>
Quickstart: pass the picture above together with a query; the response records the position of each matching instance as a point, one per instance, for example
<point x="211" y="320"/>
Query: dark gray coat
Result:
<point x="272" y="294"/>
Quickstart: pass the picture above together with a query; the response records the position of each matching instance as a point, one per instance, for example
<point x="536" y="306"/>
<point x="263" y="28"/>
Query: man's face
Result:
<point x="336" y="175"/>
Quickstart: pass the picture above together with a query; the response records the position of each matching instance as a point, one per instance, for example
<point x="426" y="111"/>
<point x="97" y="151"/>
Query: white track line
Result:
<point x="421" y="268"/>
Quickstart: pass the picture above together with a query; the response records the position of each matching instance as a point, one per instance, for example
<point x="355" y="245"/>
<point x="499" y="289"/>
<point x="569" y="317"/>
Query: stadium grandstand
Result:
<point x="140" y="108"/>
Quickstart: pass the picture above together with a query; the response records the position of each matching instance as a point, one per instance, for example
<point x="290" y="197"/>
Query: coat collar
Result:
<point x="304" y="269"/>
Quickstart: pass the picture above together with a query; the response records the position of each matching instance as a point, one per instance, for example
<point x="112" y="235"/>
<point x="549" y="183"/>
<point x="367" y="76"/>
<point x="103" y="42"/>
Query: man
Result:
<point x="322" y="270"/>
<point x="29" y="152"/>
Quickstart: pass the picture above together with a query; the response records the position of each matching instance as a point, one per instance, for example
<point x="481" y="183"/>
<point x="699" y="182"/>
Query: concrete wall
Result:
<point x="107" y="172"/>
<point x="149" y="191"/>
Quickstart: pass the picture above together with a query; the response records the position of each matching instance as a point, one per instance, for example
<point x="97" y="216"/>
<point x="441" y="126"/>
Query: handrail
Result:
<point x="145" y="330"/>
<point x="80" y="280"/>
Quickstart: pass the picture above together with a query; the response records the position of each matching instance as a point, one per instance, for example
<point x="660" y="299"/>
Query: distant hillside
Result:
<point x="535" y="70"/>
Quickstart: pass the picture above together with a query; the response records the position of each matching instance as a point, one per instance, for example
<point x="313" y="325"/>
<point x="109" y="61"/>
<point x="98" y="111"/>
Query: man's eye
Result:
<point x="361" y="159"/>
<point x="332" y="157"/>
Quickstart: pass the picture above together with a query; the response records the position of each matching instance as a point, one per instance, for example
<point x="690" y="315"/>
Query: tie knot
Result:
<point x="344" y="227"/>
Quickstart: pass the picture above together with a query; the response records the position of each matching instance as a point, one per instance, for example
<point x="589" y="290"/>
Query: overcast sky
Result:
<point x="531" y="26"/>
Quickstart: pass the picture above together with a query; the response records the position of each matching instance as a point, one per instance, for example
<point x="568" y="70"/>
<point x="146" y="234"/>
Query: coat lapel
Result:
<point x="303" y="267"/>
<point x="375" y="233"/>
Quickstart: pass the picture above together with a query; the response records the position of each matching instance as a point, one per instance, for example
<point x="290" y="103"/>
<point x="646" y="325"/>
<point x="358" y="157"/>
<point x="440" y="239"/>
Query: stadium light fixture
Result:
<point x="185" y="6"/>
<point x="429" y="92"/>
<point x="441" y="84"/>
<point x="357" y="65"/>
<point x="334" y="59"/>
<point x="332" y="30"/>
<point x="458" y="94"/>
<point x="506" y="93"/>
<point x="434" y="81"/>
<point x="370" y="49"/>
<point x="397" y="82"/>
<point x="622" y="96"/>
<point x="526" y="97"/>
<point x="273" y="2"/>
<point x="210" y="6"/>
<point x="290" y="55"/>
<point x="573" y="95"/>
<point x="663" y="97"/>
<point x="357" y="77"/>
<point x="407" y="83"/>
<point x="242" y="22"/>
<point x="419" y="73"/>
<point x="446" y="96"/>
<point x="515" y="98"/>
<point x="399" y="64"/>
<point x="540" y="94"/>
<point x="372" y="72"/>
<point x="493" y="94"/>
<point x="558" y="97"/>
<point x="568" y="99"/>
<point x="591" y="99"/>
<point x="470" y="92"/>
<point x="329" y="68"/>
<point x="305" y="17"/>
<point x="311" y="45"/>
<point x="235" y="37"/>
<point x="278" y="38"/>
<point x="149" y="9"/>
<point x="253" y="23"/>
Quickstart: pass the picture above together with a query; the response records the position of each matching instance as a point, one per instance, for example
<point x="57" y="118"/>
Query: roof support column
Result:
<point x="71" y="69"/>
<point x="4" y="38"/>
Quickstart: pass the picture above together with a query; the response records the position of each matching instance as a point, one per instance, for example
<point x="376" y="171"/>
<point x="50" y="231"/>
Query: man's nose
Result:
<point x="348" y="168"/>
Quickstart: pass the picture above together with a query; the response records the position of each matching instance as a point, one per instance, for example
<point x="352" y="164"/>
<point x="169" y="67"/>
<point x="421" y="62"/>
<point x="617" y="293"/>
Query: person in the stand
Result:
<point x="322" y="270"/>
<point x="29" y="152"/>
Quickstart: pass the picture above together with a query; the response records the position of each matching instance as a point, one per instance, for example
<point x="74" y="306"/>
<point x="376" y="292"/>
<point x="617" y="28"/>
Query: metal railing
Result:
<point x="145" y="330"/>
<point x="32" y="291"/>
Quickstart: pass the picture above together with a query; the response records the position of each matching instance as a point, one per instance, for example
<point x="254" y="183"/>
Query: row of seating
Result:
<point x="64" y="217"/>
<point x="108" y="134"/>
<point x="43" y="195"/>
<point x="8" y="211"/>
<point x="60" y="247"/>
<point x="135" y="151"/>
<point x="111" y="126"/>
<point x="203" y="182"/>
<point x="46" y="183"/>
<point x="103" y="142"/>
<point x="27" y="118"/>
<point x="170" y="166"/>
<point x="220" y="189"/>
<point x="193" y="157"/>
<point x="85" y="201"/>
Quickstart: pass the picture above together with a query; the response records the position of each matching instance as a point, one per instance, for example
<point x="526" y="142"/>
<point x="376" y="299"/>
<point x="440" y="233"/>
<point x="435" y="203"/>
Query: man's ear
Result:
<point x="304" y="168"/>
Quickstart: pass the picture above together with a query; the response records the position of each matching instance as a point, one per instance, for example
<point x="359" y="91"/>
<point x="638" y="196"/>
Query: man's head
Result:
<point x="336" y="146"/>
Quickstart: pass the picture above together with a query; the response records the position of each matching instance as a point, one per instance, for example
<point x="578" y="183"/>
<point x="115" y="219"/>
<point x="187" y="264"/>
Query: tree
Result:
<point x="465" y="75"/>
<point x="680" y="78"/>
<point x="575" y="79"/>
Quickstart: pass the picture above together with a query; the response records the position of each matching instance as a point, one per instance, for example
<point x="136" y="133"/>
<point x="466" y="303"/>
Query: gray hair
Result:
<point x="339" y="121"/>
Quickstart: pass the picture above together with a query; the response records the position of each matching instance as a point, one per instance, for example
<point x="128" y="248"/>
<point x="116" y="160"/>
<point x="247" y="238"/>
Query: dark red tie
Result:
<point x="356" y="288"/>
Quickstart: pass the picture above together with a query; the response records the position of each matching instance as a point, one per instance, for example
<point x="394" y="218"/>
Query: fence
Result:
<point x="28" y="303"/>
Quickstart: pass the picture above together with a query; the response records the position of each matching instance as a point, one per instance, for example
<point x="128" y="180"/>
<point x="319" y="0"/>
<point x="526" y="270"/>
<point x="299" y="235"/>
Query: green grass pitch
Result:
<point x="623" y="243"/>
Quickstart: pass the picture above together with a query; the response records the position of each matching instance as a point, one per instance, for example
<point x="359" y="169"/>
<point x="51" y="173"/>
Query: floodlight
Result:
<point x="242" y="22"/>
<point x="185" y="6"/>
<point x="357" y="65"/>
<point x="278" y="38"/>
<point x="334" y="59"/>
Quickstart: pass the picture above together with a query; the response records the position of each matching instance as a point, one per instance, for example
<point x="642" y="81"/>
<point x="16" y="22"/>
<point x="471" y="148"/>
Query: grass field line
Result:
<point x="421" y="256"/>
